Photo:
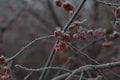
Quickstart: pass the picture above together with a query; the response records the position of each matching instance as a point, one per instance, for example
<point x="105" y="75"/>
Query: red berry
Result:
<point x="90" y="32"/>
<point x="117" y="24"/>
<point x="65" y="37"/>
<point x="117" y="12"/>
<point x="60" y="46"/>
<point x="107" y="44"/>
<point x="101" y="32"/>
<point x="76" y="36"/>
<point x="115" y="35"/>
<point x="68" y="6"/>
<point x="71" y="27"/>
<point x="57" y="33"/>
<point x="57" y="47"/>
<point x="2" y="60"/>
<point x="58" y="3"/>
<point x="6" y="70"/>
<point x="5" y="77"/>
<point x="76" y="23"/>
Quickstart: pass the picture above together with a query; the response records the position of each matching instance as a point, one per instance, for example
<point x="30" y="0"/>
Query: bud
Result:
<point x="117" y="24"/>
<point x="115" y="35"/>
<point x="65" y="37"/>
<point x="57" y="33"/>
<point x="117" y="12"/>
<point x="68" y="6"/>
<point x="90" y="32"/>
<point x="76" y="36"/>
<point x="2" y="60"/>
<point x="76" y="23"/>
<point x="107" y="44"/>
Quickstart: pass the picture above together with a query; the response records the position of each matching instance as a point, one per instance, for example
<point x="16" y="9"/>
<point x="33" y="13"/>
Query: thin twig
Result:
<point x="106" y="3"/>
<point x="25" y="47"/>
<point x="28" y="75"/>
<point x="81" y="75"/>
<point x="41" y="69"/>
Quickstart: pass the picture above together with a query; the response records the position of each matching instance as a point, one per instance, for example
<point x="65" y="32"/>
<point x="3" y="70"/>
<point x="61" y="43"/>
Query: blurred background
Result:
<point x="21" y="21"/>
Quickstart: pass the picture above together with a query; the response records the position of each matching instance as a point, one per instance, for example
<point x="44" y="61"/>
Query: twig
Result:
<point x="54" y="16"/>
<point x="41" y="69"/>
<point x="81" y="75"/>
<point x="106" y="3"/>
<point x="28" y="76"/>
<point x="25" y="47"/>
<point x="53" y="52"/>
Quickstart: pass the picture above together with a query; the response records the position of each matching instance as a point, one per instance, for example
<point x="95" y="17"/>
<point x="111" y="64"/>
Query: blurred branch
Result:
<point x="56" y="20"/>
<point x="9" y="22"/>
<point x="13" y="18"/>
<point x="39" y="18"/>
<point x="32" y="8"/>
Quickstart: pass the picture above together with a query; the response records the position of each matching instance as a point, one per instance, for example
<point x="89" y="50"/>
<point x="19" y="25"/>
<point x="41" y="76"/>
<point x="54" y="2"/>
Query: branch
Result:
<point x="53" y="52"/>
<point x="89" y="68"/>
<point x="44" y="68"/>
<point x="40" y="69"/>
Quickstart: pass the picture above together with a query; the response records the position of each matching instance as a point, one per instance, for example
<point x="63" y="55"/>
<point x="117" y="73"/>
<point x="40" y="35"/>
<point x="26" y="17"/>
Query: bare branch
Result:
<point x="89" y="68"/>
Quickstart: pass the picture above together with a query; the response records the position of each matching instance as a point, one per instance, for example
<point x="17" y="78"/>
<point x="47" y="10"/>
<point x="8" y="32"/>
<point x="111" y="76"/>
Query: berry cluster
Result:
<point x="117" y="14"/>
<point x="82" y="33"/>
<point x="63" y="39"/>
<point x="4" y="70"/>
<point x="68" y="6"/>
<point x="4" y="73"/>
<point x="115" y="34"/>
<point x="60" y="46"/>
